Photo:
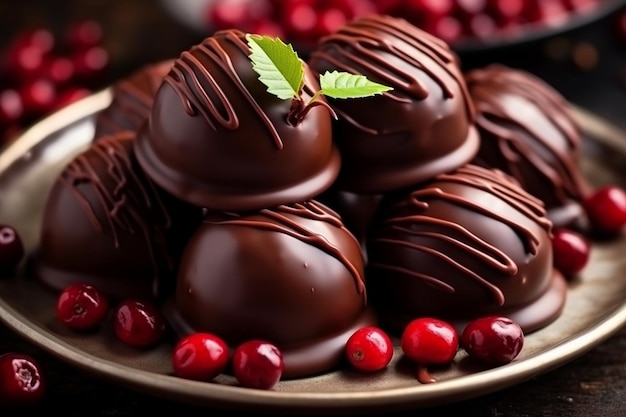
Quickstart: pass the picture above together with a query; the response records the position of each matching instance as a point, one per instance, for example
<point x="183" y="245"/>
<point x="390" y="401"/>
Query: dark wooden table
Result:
<point x="138" y="32"/>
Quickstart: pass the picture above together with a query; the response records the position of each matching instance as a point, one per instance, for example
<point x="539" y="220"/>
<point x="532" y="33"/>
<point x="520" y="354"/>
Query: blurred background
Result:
<point x="54" y="52"/>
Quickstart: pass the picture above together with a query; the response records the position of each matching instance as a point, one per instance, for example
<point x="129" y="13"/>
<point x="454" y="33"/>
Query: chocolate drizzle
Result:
<point x="357" y="47"/>
<point x="124" y="194"/>
<point x="420" y="231"/>
<point x="500" y="94"/>
<point x="199" y="91"/>
<point x="281" y="221"/>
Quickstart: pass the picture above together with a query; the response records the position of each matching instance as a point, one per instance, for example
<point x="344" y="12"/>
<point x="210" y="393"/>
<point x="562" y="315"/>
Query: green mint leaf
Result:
<point x="278" y="66"/>
<point x="338" y="84"/>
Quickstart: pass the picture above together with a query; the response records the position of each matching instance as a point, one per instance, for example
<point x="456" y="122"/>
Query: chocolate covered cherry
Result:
<point x="421" y="128"/>
<point x="217" y="138"/>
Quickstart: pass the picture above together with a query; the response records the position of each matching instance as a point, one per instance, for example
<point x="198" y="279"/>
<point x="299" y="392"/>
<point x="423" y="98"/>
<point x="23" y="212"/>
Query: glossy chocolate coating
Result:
<point x="105" y="223"/>
<point x="423" y="127"/>
<point x="467" y="244"/>
<point x="132" y="100"/>
<point x="528" y="131"/>
<point x="216" y="138"/>
<point x="292" y="275"/>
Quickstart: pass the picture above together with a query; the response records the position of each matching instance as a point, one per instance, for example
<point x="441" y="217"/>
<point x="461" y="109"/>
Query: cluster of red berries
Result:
<point x="304" y="21"/>
<point x="492" y="340"/>
<point x="41" y="71"/>
<point x="606" y="212"/>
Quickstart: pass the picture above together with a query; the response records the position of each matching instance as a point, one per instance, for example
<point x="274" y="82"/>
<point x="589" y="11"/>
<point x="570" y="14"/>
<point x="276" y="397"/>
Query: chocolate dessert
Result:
<point x="132" y="100"/>
<point x="217" y="139"/>
<point x="106" y="224"/>
<point x="527" y="130"/>
<point x="467" y="244"/>
<point x="421" y="128"/>
<point x="293" y="275"/>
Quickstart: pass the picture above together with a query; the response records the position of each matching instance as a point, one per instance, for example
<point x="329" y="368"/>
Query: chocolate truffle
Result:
<point x="423" y="127"/>
<point x="527" y="130"/>
<point x="132" y="99"/>
<point x="216" y="138"/>
<point x="106" y="224"/>
<point x="466" y="244"/>
<point x="292" y="275"/>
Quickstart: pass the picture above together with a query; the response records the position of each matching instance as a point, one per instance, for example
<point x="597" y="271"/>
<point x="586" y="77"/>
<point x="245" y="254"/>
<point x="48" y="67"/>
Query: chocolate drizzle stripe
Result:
<point x="126" y="202"/>
<point x="362" y="48"/>
<point x="192" y="81"/>
<point x="477" y="248"/>
<point x="484" y="83"/>
<point x="437" y="283"/>
<point x="283" y="224"/>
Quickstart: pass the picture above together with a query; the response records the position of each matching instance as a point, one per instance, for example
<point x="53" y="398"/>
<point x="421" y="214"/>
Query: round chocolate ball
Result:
<point x="132" y="99"/>
<point x="292" y="275"/>
<point x="528" y="130"/>
<point x="106" y="224"/>
<point x="218" y="139"/>
<point x="422" y="127"/>
<point x="466" y="244"/>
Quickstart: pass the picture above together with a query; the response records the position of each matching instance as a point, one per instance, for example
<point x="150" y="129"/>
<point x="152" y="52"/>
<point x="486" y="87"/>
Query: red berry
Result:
<point x="81" y="306"/>
<point x="429" y="341"/>
<point x="257" y="364"/>
<point x="21" y="380"/>
<point x="26" y="53"/>
<point x="200" y="356"/>
<point x="138" y="323"/>
<point x="11" y="107"/>
<point x="570" y="251"/>
<point x="11" y="249"/>
<point x="84" y="34"/>
<point x="606" y="209"/>
<point x="369" y="349"/>
<point x="58" y="69"/>
<point x="493" y="340"/>
<point x="38" y="96"/>
<point x="90" y="63"/>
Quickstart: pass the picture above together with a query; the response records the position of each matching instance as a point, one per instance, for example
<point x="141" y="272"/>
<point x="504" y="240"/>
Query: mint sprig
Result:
<point x="282" y="71"/>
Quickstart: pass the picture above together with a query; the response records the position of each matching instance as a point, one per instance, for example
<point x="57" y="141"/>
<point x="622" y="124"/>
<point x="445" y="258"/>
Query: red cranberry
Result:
<point x="21" y="380"/>
<point x="26" y="53"/>
<point x="11" y="107"/>
<point x="429" y="341"/>
<point x="493" y="340"/>
<point x="369" y="349"/>
<point x="570" y="251"/>
<point x="257" y="364"/>
<point x="11" y="249"/>
<point x="471" y="7"/>
<point x="58" y="69"/>
<point x="506" y="11"/>
<point x="84" y="35"/>
<point x="81" y="306"/>
<point x="38" y="96"/>
<point x="430" y="9"/>
<point x="243" y="14"/>
<point x="299" y="19"/>
<point x="606" y="209"/>
<point x="90" y="63"/>
<point x="138" y="323"/>
<point x="200" y="356"/>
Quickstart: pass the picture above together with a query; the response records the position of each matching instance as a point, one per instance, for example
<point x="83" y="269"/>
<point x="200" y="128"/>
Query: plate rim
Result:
<point x="222" y="395"/>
